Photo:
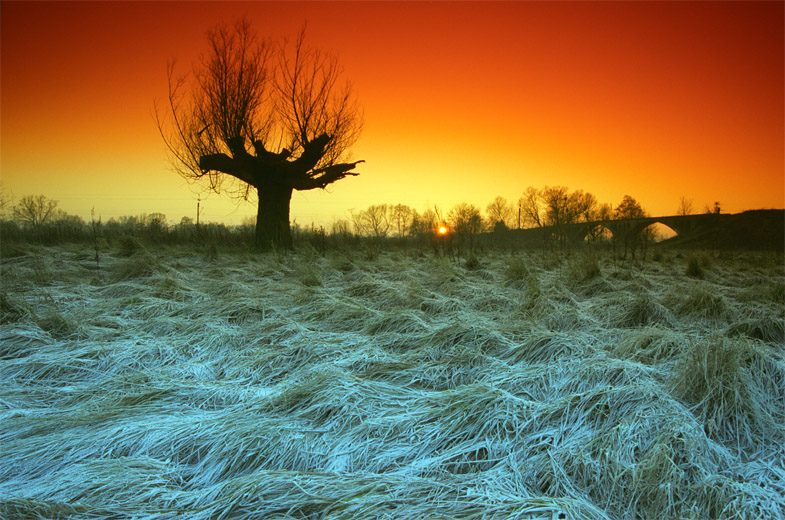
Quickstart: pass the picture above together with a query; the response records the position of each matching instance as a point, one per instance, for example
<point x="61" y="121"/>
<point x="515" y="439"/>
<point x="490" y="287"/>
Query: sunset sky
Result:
<point x="463" y="101"/>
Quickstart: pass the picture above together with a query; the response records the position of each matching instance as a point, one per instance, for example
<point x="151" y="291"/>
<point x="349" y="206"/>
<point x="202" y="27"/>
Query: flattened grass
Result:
<point x="340" y="387"/>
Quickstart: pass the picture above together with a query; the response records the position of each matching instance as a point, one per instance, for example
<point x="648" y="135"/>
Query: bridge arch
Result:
<point x="598" y="233"/>
<point x="659" y="231"/>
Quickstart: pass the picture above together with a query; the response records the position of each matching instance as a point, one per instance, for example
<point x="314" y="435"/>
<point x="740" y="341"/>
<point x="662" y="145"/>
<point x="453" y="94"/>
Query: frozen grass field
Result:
<point x="174" y="384"/>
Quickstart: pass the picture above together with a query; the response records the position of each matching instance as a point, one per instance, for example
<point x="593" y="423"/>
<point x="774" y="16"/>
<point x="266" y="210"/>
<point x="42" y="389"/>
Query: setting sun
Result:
<point x="443" y="230"/>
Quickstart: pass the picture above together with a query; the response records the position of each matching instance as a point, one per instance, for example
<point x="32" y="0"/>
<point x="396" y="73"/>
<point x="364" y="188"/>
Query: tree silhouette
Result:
<point x="269" y="116"/>
<point x="628" y="208"/>
<point x="685" y="206"/>
<point x="35" y="210"/>
<point x="499" y="210"/>
<point x="529" y="207"/>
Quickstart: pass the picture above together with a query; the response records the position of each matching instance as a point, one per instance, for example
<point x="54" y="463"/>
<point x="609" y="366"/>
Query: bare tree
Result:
<point x="685" y="206"/>
<point x="584" y="206"/>
<point x="35" y="210"/>
<point x="604" y="211"/>
<point x="5" y="201"/>
<point x="465" y="221"/>
<point x="402" y="217"/>
<point x="373" y="221"/>
<point x="499" y="210"/>
<point x="425" y="223"/>
<point x="557" y="208"/>
<point x="530" y="208"/>
<point x="270" y="117"/>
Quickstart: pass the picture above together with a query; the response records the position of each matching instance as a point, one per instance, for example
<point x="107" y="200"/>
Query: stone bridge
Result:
<point x="759" y="229"/>
<point x="681" y="224"/>
<point x="626" y="228"/>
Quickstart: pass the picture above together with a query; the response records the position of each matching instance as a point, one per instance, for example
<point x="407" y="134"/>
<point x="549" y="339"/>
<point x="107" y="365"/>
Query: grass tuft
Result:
<point x="767" y="329"/>
<point x="650" y="345"/>
<point x="704" y="305"/>
<point x="736" y="389"/>
<point x="640" y="311"/>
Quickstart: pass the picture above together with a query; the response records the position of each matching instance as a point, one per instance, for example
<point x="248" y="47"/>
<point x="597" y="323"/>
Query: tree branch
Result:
<point x="223" y="163"/>
<point x="313" y="151"/>
<point x="266" y="156"/>
<point x="323" y="176"/>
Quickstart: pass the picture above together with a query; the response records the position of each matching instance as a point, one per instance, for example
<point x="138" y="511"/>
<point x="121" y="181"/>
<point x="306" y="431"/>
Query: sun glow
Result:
<point x="442" y="230"/>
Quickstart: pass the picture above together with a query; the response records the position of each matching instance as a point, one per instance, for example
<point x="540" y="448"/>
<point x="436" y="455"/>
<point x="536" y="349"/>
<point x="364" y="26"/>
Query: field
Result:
<point x="174" y="383"/>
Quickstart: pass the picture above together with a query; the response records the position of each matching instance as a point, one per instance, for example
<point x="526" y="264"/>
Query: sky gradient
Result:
<point x="463" y="101"/>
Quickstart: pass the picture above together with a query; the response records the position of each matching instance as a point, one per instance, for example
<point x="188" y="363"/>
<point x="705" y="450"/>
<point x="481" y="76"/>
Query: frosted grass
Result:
<point x="171" y="385"/>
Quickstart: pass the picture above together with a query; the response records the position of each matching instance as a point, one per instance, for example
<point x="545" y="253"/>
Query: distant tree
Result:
<point x="499" y="210"/>
<point x="529" y="208"/>
<point x="341" y="228"/>
<point x="373" y="221"/>
<point x="5" y="201"/>
<point x="425" y="223"/>
<point x="604" y="212"/>
<point x="712" y="210"/>
<point x="35" y="210"/>
<point x="465" y="219"/>
<point x="584" y="206"/>
<point x="685" y="206"/>
<point x="563" y="208"/>
<point x="628" y="208"/>
<point x="558" y="209"/>
<point x="274" y="118"/>
<point x="401" y="217"/>
<point x="631" y="237"/>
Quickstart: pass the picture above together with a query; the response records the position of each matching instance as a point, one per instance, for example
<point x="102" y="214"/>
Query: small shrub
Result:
<point x="130" y="245"/>
<point x="517" y="271"/>
<point x="140" y="265"/>
<point x="694" y="268"/>
<point x="472" y="263"/>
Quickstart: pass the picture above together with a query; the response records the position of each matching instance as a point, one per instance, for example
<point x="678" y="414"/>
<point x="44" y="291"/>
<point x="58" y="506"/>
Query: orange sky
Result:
<point x="463" y="101"/>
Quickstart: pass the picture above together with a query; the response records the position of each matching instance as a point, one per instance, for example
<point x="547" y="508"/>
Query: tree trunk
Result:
<point x="272" y="217"/>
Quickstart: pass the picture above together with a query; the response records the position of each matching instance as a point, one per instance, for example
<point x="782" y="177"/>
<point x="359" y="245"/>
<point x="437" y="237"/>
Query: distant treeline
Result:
<point x="38" y="219"/>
